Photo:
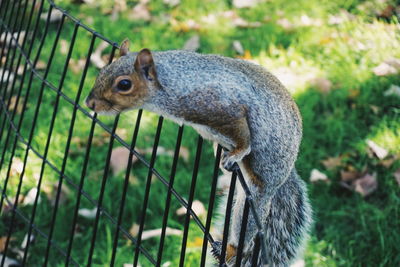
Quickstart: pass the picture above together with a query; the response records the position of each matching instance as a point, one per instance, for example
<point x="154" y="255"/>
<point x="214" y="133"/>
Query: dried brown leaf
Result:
<point x="134" y="230"/>
<point x="245" y="3"/>
<point x="184" y="153"/>
<point x="119" y="159"/>
<point x="393" y="90"/>
<point x="157" y="232"/>
<point x="13" y="103"/>
<point x="76" y="65"/>
<point x="88" y="213"/>
<point x="332" y="162"/>
<point x="40" y="65"/>
<point x="379" y="151"/>
<point x="347" y="176"/>
<point x="172" y="3"/>
<point x="140" y="12"/>
<point x="316" y="176"/>
<point x="63" y="46"/>
<point x="322" y="84"/>
<point x="238" y="47"/>
<point x="197" y="207"/>
<point x="388" y="162"/>
<point x="366" y="185"/>
<point x="388" y="67"/>
<point x="55" y="15"/>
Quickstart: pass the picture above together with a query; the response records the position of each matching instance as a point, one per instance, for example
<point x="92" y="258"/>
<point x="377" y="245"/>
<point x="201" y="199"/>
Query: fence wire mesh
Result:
<point x="65" y="199"/>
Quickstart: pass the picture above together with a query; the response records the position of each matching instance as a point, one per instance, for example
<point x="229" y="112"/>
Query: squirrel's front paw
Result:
<point x="228" y="161"/>
<point x="229" y="158"/>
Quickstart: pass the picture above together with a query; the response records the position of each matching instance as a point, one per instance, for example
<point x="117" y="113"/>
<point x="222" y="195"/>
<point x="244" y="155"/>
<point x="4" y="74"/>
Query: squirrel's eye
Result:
<point x="124" y="85"/>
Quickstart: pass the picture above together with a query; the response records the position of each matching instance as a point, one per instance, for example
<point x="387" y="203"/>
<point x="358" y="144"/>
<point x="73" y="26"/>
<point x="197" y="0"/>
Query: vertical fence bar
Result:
<point x="227" y="218"/>
<point x="87" y="155"/>
<point x="59" y="186"/>
<point x="242" y="232"/>
<point x="168" y="200"/>
<point x="125" y="187"/>
<point x="102" y="189"/>
<point x="211" y="205"/>
<point x="256" y="250"/>
<point x="147" y="191"/>
<point x="190" y="201"/>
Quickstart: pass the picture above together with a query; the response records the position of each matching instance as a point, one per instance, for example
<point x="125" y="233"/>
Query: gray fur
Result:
<point x="204" y="85"/>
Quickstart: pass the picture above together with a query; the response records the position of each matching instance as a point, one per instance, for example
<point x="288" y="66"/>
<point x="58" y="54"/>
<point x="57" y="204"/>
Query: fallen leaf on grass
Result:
<point x="396" y="175"/>
<point x="51" y="193"/>
<point x="140" y="11"/>
<point x="388" y="67"/>
<point x="55" y="15"/>
<point x="134" y="230"/>
<point x="96" y="58"/>
<point x="245" y="3"/>
<point x="316" y="175"/>
<point x="40" y="65"/>
<point x="332" y="162"/>
<point x="388" y="162"/>
<point x="347" y="176"/>
<point x="9" y="262"/>
<point x="172" y="3"/>
<point x="63" y="47"/>
<point x="3" y="240"/>
<point x="29" y="199"/>
<point x="366" y="185"/>
<point x="6" y="38"/>
<point x="157" y="232"/>
<point x="285" y="23"/>
<point x="17" y="166"/>
<point x="87" y="213"/>
<point x="197" y="207"/>
<point x="393" y="90"/>
<point x="119" y="159"/>
<point x="76" y="65"/>
<point x="237" y="46"/>
<point x="322" y="84"/>
<point x="6" y="73"/>
<point x="193" y="44"/>
<point x="13" y="103"/>
<point x="375" y="109"/>
<point x="379" y="151"/>
<point x="25" y="241"/>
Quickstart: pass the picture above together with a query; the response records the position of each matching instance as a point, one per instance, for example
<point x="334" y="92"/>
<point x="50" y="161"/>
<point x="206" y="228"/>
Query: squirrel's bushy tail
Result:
<point x="287" y="224"/>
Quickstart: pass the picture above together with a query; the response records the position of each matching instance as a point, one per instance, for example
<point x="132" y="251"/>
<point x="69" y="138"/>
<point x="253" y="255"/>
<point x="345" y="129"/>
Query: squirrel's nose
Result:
<point x="90" y="103"/>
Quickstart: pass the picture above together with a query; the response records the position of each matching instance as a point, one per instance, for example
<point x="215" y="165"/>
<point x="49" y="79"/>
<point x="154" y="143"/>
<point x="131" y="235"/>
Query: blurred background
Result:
<point x="339" y="59"/>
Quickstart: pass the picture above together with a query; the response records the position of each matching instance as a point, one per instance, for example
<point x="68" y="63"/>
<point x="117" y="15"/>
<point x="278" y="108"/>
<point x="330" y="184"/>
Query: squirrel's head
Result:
<point x="124" y="84"/>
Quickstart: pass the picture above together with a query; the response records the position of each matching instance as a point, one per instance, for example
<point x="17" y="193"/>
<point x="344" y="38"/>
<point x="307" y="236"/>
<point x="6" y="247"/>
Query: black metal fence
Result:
<point x="49" y="144"/>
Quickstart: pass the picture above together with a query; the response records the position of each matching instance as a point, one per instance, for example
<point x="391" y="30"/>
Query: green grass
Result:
<point x="349" y="230"/>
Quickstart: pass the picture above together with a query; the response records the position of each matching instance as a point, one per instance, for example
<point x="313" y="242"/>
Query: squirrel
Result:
<point x="239" y="105"/>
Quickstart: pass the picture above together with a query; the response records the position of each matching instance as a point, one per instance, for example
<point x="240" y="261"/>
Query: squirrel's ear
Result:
<point x="144" y="65"/>
<point x="124" y="48"/>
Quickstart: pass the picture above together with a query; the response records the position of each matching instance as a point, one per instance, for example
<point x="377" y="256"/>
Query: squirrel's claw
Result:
<point x="229" y="158"/>
<point x="216" y="249"/>
<point x="228" y="163"/>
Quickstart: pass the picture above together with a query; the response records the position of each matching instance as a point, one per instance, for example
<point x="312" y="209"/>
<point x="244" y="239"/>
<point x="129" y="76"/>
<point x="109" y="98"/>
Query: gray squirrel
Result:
<point x="237" y="104"/>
